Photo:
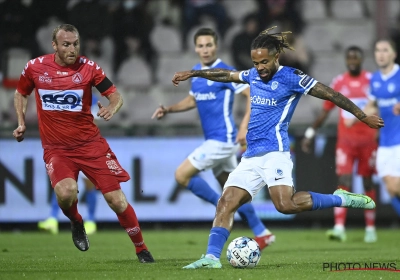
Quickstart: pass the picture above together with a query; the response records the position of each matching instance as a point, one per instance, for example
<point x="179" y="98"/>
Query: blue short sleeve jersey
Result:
<point x="214" y="102"/>
<point x="385" y="90"/>
<point x="272" y="107"/>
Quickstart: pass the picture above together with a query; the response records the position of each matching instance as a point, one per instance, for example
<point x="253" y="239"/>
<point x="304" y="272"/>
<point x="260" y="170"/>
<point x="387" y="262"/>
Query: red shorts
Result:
<point x="348" y="153"/>
<point x="95" y="160"/>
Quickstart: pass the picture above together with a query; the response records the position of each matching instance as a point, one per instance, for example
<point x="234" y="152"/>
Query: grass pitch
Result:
<point x="297" y="254"/>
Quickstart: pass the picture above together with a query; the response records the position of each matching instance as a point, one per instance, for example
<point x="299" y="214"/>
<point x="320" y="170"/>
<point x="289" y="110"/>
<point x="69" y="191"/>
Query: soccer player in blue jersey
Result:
<point x="214" y="102"/>
<point x="385" y="96"/>
<point x="275" y="91"/>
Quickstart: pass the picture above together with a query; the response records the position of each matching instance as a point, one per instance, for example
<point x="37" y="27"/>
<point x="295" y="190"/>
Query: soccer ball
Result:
<point x="243" y="252"/>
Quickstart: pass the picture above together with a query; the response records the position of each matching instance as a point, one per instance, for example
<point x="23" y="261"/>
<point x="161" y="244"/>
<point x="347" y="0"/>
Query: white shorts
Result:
<point x="252" y="174"/>
<point x="215" y="155"/>
<point x="388" y="161"/>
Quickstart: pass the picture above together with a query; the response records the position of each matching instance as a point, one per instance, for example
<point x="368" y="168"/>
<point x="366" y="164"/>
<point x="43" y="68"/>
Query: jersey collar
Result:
<point x="390" y="74"/>
<point x="213" y="65"/>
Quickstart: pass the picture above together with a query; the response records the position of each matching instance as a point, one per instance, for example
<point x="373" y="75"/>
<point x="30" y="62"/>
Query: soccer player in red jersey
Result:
<point x="71" y="141"/>
<point x="355" y="141"/>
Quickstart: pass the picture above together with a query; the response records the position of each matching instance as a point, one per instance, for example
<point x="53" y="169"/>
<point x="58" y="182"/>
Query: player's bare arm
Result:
<point x="20" y="104"/>
<point x="215" y="74"/>
<point x="241" y="136"/>
<point x="115" y="104"/>
<point x="185" y="104"/>
<point x="323" y="92"/>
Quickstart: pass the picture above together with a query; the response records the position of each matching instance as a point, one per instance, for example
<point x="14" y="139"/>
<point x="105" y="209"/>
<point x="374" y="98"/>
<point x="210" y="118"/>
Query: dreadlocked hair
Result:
<point x="272" y="42"/>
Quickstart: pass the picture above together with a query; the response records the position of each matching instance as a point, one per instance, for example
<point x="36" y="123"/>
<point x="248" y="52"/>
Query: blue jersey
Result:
<point x="214" y="103"/>
<point x="385" y="90"/>
<point x="272" y="107"/>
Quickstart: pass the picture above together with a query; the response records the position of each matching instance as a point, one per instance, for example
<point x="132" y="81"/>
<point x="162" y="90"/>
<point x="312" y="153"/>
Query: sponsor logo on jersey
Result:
<point x="204" y="96"/>
<point x="386" y="102"/>
<point x="45" y="78"/>
<point x="64" y="100"/>
<point x="263" y="101"/>
<point x="62" y="73"/>
<point x="77" y="78"/>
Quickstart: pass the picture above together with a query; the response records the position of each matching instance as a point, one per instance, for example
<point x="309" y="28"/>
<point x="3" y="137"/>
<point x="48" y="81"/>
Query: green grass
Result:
<point x="297" y="254"/>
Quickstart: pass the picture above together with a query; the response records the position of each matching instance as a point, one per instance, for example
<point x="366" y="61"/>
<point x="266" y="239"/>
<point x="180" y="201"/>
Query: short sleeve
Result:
<point x="244" y="76"/>
<point x="302" y="82"/>
<point x="25" y="84"/>
<point x="98" y="77"/>
<point x="237" y="88"/>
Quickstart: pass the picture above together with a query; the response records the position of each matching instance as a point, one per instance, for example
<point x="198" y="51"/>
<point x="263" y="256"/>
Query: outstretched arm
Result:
<point x="184" y="105"/>
<point x="20" y="104"/>
<point x="323" y="92"/>
<point x="214" y="74"/>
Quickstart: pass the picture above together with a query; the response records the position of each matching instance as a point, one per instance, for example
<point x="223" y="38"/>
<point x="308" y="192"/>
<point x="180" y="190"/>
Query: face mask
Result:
<point x="130" y="4"/>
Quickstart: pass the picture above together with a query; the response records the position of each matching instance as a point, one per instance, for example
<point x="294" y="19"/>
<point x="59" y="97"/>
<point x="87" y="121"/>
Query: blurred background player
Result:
<point x="214" y="102"/>
<point x="51" y="223"/>
<point x="385" y="96"/>
<point x="356" y="142"/>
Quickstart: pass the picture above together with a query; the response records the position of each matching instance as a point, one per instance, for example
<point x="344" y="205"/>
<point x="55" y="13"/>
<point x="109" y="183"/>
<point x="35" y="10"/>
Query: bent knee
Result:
<point x="181" y="178"/>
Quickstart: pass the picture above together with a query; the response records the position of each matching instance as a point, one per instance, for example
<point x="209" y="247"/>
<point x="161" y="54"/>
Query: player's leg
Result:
<point x="127" y="218"/>
<point x="277" y="173"/>
<point x="366" y="168"/>
<point x="51" y="223"/>
<point x="204" y="157"/>
<point x="63" y="173"/>
<point x="106" y="176"/>
<point x="246" y="184"/>
<point x="231" y="199"/>
<point x="91" y="202"/>
<point x="186" y="176"/>
<point x="344" y="158"/>
<point x="340" y="213"/>
<point x="263" y="236"/>
<point x="388" y="167"/>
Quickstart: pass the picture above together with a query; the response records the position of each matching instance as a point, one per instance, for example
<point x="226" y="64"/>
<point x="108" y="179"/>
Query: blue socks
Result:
<point x="248" y="214"/>
<point x="322" y="201"/>
<point x="396" y="204"/>
<point x="91" y="203"/>
<point x="203" y="190"/>
<point x="216" y="241"/>
<point x="54" y="206"/>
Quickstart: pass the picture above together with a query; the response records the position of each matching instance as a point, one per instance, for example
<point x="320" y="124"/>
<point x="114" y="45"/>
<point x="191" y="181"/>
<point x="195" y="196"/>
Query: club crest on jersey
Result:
<point x="391" y="87"/>
<point x="279" y="171"/>
<point x="274" y="85"/>
<point x="77" y="78"/>
<point x="45" y="78"/>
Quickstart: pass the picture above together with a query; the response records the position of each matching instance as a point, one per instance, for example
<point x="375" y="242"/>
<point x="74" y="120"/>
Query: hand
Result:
<point x="19" y="133"/>
<point x="160" y="112"/>
<point x="181" y="76"/>
<point x="241" y="137"/>
<point x="373" y="121"/>
<point x="306" y="145"/>
<point x="104" y="112"/>
<point x="396" y="109"/>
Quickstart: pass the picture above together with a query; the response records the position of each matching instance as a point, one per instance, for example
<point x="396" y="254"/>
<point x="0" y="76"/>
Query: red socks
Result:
<point x="369" y="215"/>
<point x="72" y="213"/>
<point x="130" y="223"/>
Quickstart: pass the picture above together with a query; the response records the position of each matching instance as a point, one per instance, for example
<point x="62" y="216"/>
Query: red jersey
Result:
<point x="356" y="89"/>
<point x="63" y="99"/>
